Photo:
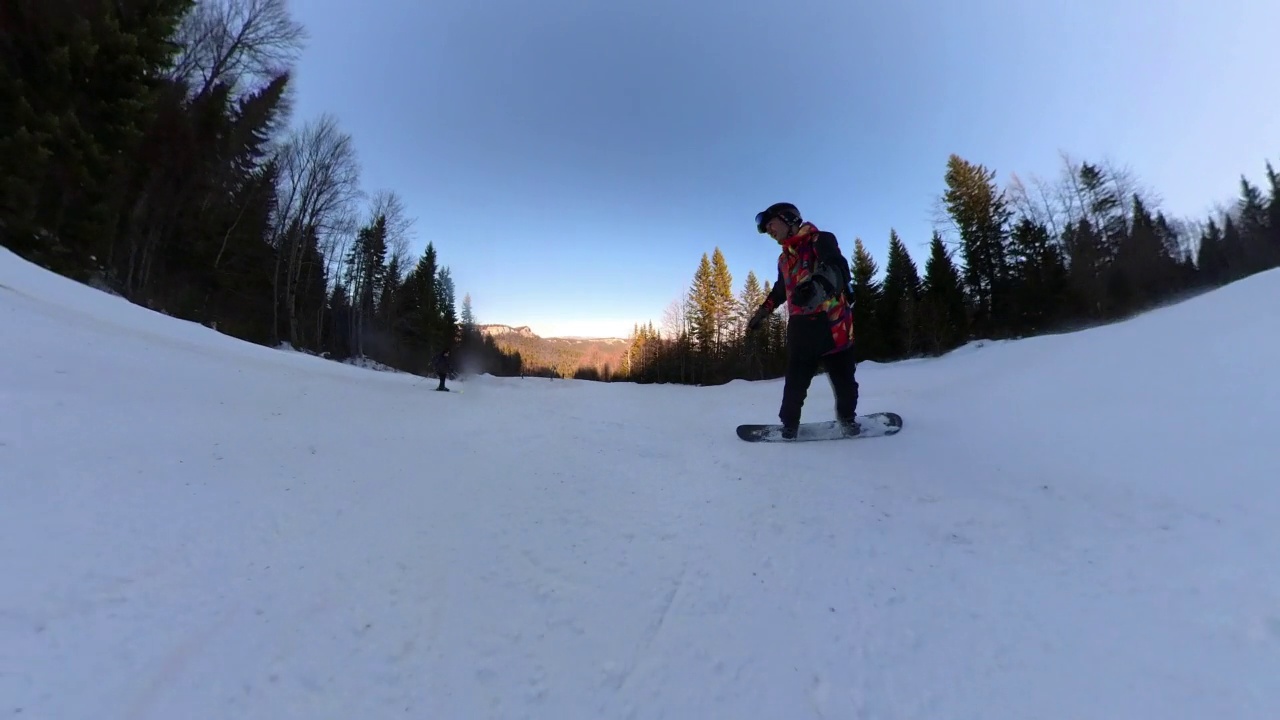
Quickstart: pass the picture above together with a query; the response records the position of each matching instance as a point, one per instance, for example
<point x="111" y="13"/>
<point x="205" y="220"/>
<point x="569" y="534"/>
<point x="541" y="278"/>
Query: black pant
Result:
<point x="808" y="338"/>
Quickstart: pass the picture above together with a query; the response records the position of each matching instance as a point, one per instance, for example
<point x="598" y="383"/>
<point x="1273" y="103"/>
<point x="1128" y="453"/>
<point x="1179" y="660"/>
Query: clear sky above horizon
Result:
<point x="572" y="160"/>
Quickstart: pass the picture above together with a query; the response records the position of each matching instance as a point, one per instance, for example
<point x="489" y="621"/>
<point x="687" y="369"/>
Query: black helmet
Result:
<point x="786" y="211"/>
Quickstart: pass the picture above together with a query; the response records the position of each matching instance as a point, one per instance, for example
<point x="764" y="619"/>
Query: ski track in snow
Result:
<point x="1077" y="526"/>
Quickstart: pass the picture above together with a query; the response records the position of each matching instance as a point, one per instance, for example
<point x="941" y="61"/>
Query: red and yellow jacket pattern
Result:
<point x="813" y="256"/>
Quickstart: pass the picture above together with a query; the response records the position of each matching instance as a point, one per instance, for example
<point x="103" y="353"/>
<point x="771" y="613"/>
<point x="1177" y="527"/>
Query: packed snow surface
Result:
<point x="1080" y="526"/>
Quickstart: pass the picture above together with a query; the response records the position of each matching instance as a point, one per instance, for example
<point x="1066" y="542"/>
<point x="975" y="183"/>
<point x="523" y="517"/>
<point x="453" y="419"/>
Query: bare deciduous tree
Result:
<point x="319" y="186"/>
<point x="387" y="203"/>
<point x="1040" y="201"/>
<point x="1054" y="217"/>
<point x="1020" y="199"/>
<point x="1108" y="204"/>
<point x="675" y="319"/>
<point x="236" y="42"/>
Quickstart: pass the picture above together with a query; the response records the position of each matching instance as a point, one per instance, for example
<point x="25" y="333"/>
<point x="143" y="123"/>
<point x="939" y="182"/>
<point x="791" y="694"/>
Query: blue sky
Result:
<point x="572" y="159"/>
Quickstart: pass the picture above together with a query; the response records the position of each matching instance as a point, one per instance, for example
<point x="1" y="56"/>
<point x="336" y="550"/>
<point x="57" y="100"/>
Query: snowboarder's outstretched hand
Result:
<point x="756" y="320"/>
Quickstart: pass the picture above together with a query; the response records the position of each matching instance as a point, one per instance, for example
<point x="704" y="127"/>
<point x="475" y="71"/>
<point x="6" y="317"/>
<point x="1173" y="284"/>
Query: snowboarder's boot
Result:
<point x="850" y="426"/>
<point x="789" y="432"/>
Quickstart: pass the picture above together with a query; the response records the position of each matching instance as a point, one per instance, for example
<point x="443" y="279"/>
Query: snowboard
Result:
<point x="871" y="425"/>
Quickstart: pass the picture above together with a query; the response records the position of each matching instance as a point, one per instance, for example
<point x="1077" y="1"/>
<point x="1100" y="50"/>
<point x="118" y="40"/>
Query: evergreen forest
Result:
<point x="1011" y="261"/>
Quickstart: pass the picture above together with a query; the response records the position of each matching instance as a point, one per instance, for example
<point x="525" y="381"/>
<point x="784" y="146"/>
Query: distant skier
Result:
<point x="442" y="366"/>
<point x="814" y="279"/>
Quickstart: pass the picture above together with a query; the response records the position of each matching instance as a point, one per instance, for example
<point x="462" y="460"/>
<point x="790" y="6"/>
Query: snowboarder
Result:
<point x="814" y="279"/>
<point x="442" y="366"/>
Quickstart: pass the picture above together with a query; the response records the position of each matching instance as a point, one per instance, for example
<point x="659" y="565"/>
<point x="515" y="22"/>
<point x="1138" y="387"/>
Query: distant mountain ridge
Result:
<point x="496" y="330"/>
<point x="499" y="330"/>
<point x="565" y="356"/>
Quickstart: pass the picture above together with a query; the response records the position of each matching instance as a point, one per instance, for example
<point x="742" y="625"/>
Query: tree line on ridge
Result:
<point x="151" y="152"/>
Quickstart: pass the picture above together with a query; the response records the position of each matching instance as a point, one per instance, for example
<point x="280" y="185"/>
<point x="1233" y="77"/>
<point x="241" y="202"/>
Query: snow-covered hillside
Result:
<point x="1078" y="526"/>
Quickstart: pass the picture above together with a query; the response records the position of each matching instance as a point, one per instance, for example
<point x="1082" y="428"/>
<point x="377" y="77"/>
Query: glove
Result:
<point x="828" y="290"/>
<point x="812" y="293"/>
<point x="756" y="320"/>
<point x="802" y="296"/>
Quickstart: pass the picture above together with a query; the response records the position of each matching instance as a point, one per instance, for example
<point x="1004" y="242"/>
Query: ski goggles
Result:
<point x="781" y="210"/>
<point x="763" y="217"/>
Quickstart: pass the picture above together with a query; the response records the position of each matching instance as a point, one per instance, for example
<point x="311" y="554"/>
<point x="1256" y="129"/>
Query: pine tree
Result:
<point x="724" y="302"/>
<point x="775" y="334"/>
<point x="754" y="345"/>
<point x="1254" y="231"/>
<point x="866" y="296"/>
<point x="896" y="312"/>
<point x="1272" y="253"/>
<point x="446" y="304"/>
<point x="1085" y="251"/>
<point x="366" y="271"/>
<point x="1040" y="277"/>
<point x="1175" y="247"/>
<point x="943" y="312"/>
<point x="751" y="298"/>
<point x="637" y="358"/>
<point x="81" y="83"/>
<point x="1234" y="249"/>
<point x="339" y="333"/>
<point x="390" y="289"/>
<point x="1104" y="207"/>
<point x="418" y="318"/>
<point x="468" y="317"/>
<point x="1143" y="271"/>
<point x="1211" y="258"/>
<point x="981" y="214"/>
<point x="702" y="300"/>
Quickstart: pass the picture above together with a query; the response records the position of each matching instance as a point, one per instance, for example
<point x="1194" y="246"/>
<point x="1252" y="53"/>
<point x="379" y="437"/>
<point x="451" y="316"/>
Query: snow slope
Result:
<point x="1078" y="526"/>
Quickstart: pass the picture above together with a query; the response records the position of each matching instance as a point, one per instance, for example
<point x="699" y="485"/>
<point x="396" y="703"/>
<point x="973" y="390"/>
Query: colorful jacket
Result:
<point x="813" y="256"/>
